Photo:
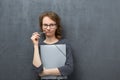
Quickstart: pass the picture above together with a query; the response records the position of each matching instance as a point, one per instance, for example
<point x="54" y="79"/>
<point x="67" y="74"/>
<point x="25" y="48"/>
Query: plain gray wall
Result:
<point x="91" y="26"/>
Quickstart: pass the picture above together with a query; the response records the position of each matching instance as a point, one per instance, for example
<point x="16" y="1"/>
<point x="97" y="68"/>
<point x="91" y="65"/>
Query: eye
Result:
<point x="51" y="24"/>
<point x="45" y="24"/>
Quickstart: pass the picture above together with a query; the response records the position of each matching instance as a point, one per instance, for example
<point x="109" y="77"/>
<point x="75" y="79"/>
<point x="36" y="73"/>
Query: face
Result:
<point x="49" y="26"/>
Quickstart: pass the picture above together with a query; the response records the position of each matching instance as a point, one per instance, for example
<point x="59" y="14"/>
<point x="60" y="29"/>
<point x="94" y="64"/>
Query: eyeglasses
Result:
<point x="52" y="26"/>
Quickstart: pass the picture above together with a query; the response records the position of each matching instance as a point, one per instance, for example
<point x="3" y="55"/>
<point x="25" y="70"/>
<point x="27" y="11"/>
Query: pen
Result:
<point x="41" y="33"/>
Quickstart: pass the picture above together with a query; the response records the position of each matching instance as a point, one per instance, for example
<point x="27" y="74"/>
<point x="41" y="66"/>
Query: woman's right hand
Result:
<point x="35" y="38"/>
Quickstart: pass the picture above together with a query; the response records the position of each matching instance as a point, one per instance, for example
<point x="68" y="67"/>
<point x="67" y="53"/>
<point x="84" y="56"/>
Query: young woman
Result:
<point x="50" y="25"/>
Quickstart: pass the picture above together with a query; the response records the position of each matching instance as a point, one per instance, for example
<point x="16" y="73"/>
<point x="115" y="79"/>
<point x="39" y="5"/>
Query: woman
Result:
<point x="51" y="27"/>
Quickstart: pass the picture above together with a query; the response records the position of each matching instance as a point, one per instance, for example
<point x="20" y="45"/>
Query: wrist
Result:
<point x="46" y="72"/>
<point x="35" y="45"/>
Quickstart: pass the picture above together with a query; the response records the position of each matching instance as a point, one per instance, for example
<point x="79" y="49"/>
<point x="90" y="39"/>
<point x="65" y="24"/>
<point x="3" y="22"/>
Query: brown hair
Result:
<point x="54" y="17"/>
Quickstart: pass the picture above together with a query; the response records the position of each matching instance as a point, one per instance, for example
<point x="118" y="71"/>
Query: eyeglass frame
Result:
<point x="52" y="26"/>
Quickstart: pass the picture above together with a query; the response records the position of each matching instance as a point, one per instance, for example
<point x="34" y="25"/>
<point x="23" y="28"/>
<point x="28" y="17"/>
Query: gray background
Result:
<point x="91" y="26"/>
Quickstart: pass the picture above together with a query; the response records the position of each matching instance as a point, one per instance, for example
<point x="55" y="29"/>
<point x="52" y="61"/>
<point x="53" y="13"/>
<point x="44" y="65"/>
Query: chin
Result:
<point x="48" y="35"/>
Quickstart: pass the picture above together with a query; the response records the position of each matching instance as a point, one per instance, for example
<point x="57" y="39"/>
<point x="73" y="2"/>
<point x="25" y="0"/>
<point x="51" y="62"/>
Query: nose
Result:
<point x="48" y="27"/>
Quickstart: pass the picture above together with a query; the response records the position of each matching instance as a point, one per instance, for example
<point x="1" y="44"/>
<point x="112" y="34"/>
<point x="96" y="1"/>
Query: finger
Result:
<point x="34" y="37"/>
<point x="35" y="33"/>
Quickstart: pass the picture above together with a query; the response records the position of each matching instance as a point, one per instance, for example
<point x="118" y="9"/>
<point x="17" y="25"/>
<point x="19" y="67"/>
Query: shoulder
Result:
<point x="63" y="41"/>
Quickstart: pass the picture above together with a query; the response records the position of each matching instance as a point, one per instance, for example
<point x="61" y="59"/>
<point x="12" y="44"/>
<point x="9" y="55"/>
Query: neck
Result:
<point x="50" y="40"/>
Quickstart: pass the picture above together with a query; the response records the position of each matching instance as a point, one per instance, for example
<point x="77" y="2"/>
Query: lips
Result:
<point x="47" y="32"/>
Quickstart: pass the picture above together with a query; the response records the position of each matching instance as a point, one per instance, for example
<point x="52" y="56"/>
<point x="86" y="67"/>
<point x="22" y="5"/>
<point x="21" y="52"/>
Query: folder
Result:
<point x="53" y="56"/>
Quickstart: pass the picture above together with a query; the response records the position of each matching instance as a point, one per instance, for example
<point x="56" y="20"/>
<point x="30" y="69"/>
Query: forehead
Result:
<point x="47" y="20"/>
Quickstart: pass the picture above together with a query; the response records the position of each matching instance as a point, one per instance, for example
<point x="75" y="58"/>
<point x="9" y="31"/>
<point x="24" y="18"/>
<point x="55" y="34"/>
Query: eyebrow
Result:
<point x="49" y="24"/>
